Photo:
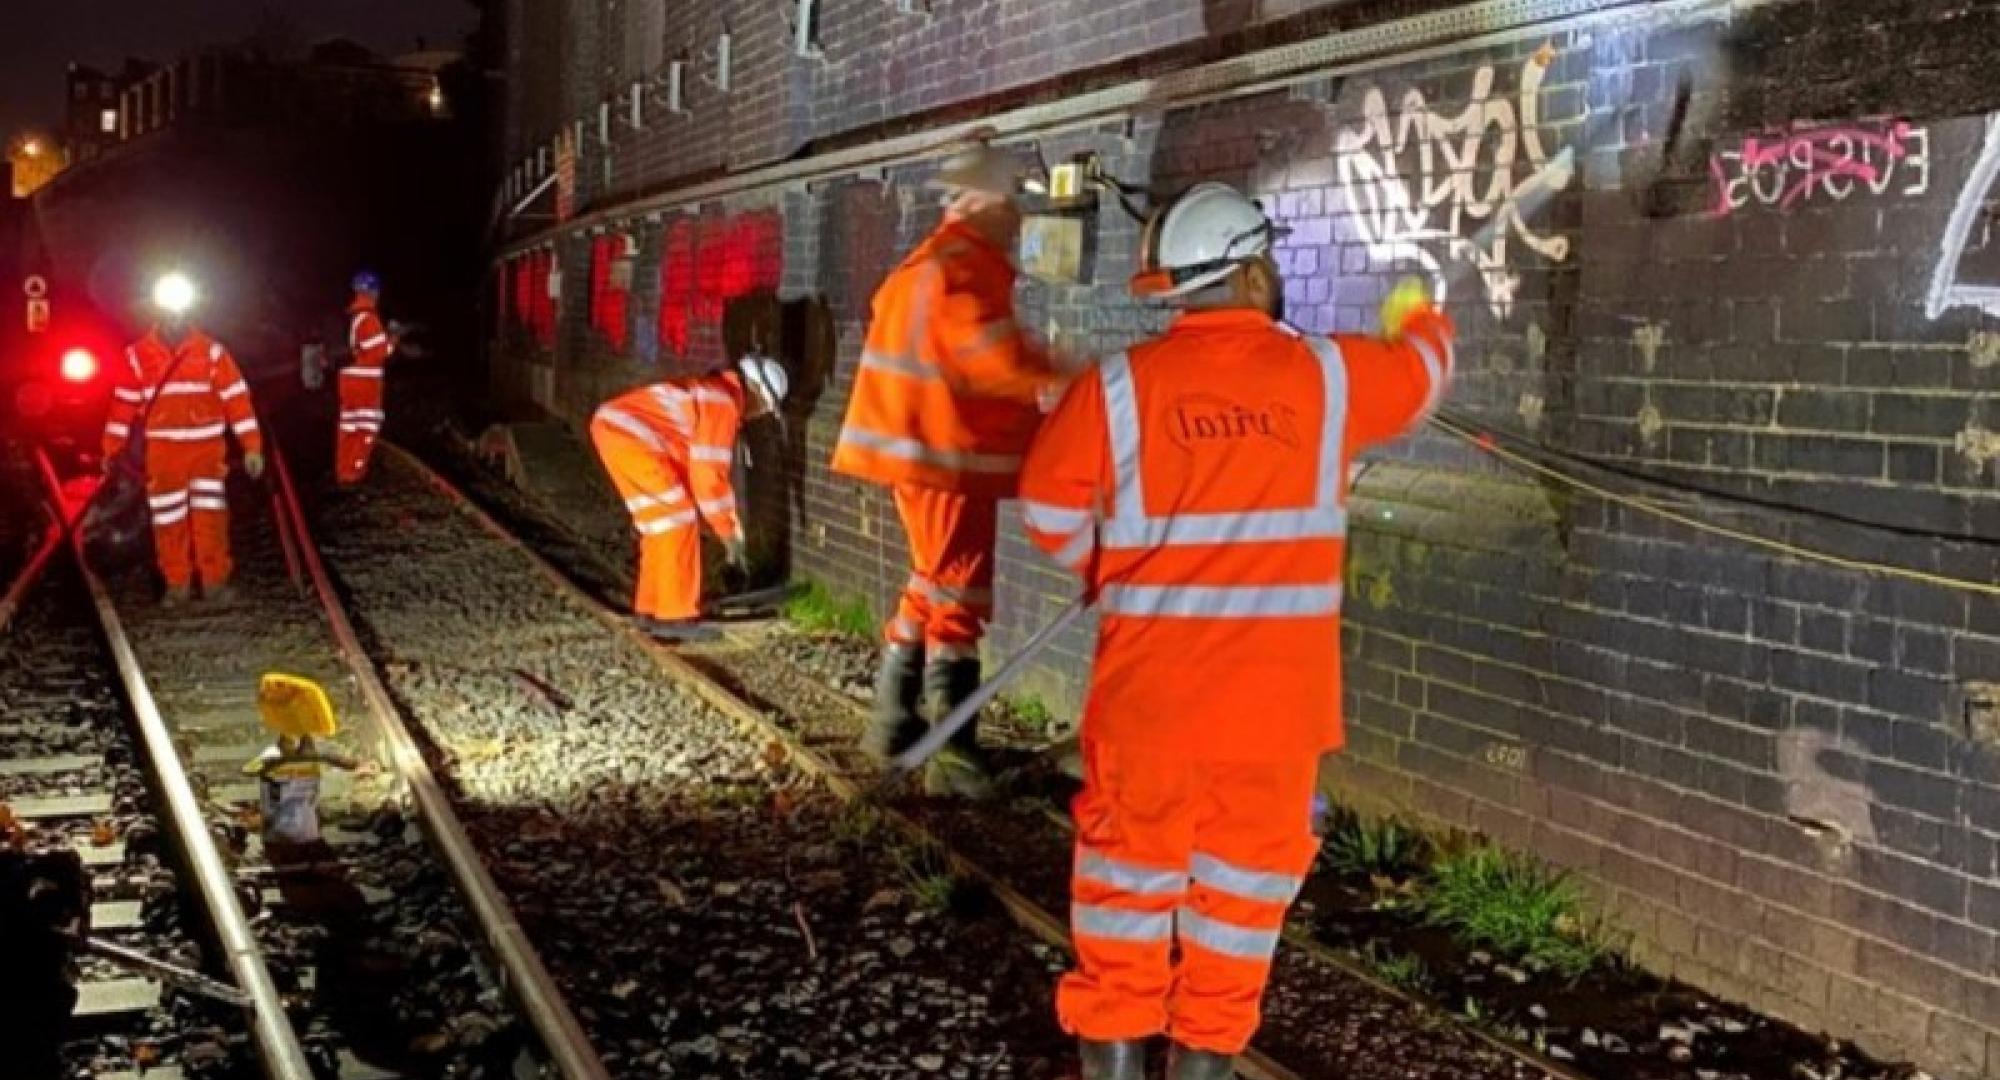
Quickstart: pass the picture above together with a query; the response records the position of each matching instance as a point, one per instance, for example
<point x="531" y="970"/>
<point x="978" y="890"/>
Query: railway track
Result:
<point x="1323" y="1017"/>
<point x="367" y="955"/>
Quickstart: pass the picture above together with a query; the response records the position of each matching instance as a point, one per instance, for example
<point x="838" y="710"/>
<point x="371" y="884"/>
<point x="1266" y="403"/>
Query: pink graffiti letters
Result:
<point x="1831" y="162"/>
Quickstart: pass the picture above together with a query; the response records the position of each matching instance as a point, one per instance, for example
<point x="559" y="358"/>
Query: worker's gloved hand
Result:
<point x="738" y="555"/>
<point x="1051" y="395"/>
<point x="1410" y="294"/>
<point x="254" y="465"/>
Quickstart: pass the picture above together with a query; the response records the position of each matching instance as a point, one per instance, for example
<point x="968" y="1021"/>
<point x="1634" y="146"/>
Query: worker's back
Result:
<point x="1220" y="455"/>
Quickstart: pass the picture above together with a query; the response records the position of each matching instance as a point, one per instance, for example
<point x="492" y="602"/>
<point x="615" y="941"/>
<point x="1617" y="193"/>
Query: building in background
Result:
<point x="1703" y="244"/>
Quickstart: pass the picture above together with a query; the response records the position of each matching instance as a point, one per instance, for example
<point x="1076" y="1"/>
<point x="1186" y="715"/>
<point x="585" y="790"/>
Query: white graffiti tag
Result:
<point x="1419" y="214"/>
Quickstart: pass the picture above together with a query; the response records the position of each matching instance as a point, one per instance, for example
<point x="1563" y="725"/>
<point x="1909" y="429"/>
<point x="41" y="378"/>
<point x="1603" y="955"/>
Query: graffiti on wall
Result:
<point x="1830" y="163"/>
<point x="1968" y="273"/>
<point x="1417" y="179"/>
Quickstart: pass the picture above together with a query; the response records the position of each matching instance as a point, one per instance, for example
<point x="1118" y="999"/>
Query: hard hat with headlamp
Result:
<point x="175" y="293"/>
<point x="1200" y="239"/>
<point x="978" y="167"/>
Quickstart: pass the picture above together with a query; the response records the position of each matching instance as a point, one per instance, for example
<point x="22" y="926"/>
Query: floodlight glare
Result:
<point x="174" y="294"/>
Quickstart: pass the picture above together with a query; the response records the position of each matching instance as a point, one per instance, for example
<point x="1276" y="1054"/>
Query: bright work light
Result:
<point x="174" y="294"/>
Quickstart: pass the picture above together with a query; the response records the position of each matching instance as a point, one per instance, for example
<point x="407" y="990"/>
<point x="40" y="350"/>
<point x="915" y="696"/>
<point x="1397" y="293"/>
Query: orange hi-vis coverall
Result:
<point x="668" y="448"/>
<point x="196" y="392"/>
<point x="361" y="391"/>
<point x="1199" y="486"/>
<point x="944" y="405"/>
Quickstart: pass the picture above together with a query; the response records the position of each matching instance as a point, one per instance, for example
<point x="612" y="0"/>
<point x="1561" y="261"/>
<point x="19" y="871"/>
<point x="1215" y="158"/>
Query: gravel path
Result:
<point x="710" y="912"/>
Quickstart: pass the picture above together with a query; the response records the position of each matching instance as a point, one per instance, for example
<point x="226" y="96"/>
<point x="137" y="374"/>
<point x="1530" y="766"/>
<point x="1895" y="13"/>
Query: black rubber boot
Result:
<point x="960" y="768"/>
<point x="681" y="631"/>
<point x="1124" y="1060"/>
<point x="894" y="726"/>
<point x="1188" y="1064"/>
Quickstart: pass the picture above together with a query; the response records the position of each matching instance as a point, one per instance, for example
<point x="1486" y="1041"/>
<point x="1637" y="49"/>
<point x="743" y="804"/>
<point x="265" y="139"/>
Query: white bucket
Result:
<point x="291" y="809"/>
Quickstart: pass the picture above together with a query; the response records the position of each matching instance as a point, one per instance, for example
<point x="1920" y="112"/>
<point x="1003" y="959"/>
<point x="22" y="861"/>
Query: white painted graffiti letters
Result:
<point x="1420" y="213"/>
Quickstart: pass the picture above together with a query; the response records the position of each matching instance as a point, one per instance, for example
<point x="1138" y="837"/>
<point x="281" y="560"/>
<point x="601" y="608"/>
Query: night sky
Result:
<point x="39" y="38"/>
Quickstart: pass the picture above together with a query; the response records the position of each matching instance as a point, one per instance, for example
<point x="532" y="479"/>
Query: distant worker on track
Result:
<point x="1198" y="484"/>
<point x="178" y="391"/>
<point x="944" y="404"/>
<point x="370" y="344"/>
<point x="668" y="447"/>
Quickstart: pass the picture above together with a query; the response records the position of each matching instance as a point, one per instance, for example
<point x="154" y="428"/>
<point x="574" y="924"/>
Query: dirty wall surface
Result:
<point x="1740" y="254"/>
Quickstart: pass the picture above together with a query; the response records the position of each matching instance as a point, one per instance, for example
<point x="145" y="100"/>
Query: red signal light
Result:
<point x="79" y="365"/>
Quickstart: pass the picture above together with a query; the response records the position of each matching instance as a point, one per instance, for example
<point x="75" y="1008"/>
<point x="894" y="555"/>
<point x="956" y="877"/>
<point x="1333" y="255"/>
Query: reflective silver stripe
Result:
<point x="1050" y="518"/>
<point x="132" y="359"/>
<point x="909" y="367"/>
<point x="949" y="594"/>
<point x="1438" y="368"/>
<point x="912" y="450"/>
<point x="215" y="351"/>
<point x="988" y="336"/>
<point x="362" y="425"/>
<point x="630" y="425"/>
<point x="671" y="398"/>
<point x="1131" y="528"/>
<point x="124" y="394"/>
<point x="1257" y="526"/>
<point x="167" y="499"/>
<point x="1221" y="601"/>
<point x="1218" y="936"/>
<point x="1079" y="549"/>
<point x="175" y="388"/>
<point x="1130" y="877"/>
<point x="673" y="497"/>
<point x="1333" y="429"/>
<point x="235" y="389"/>
<point x="1249" y="884"/>
<point x="243" y="427"/>
<point x="376" y="342"/>
<point x="1090" y="920"/>
<point x="188" y="434"/>
<point x="168" y="517"/>
<point x="721" y="454"/>
<point x="113" y="427"/>
<point x="214" y="486"/>
<point x="362" y="372"/>
<point x="715" y="396"/>
<point x="665" y="524"/>
<point x="210" y="502"/>
<point x="717" y="506"/>
<point x="363" y="414"/>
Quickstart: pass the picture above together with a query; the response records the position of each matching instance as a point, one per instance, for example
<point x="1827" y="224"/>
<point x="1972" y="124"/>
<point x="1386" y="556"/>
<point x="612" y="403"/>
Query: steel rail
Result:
<point x="527" y="978"/>
<point x="278" y="1045"/>
<point x="1293" y="936"/>
<point x="1025" y="912"/>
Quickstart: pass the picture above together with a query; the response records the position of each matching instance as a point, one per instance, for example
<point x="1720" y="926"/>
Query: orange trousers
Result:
<point x="1178" y="852"/>
<point x="949" y="597"/>
<point x="190" y="507"/>
<point x="667" y="496"/>
<point x="360" y="424"/>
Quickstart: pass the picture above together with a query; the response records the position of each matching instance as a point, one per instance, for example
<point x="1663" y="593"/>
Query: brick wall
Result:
<point x="1743" y="249"/>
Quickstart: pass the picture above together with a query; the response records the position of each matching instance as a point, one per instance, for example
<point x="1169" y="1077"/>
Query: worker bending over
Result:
<point x="944" y="405"/>
<point x="178" y="391"/>
<point x="361" y="382"/>
<point x="1198" y="484"/>
<point x="668" y="448"/>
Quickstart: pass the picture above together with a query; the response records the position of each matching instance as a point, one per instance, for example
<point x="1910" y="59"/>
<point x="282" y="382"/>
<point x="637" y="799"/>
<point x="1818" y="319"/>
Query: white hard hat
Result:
<point x="1200" y="239"/>
<point x="979" y="167"/>
<point x="765" y="378"/>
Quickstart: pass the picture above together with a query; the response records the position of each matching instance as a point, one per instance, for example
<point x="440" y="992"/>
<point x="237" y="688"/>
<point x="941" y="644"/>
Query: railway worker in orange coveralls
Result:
<point x="944" y="404"/>
<point x="1198" y="485"/>
<point x="180" y="390"/>
<point x="361" y="382"/>
<point x="668" y="447"/>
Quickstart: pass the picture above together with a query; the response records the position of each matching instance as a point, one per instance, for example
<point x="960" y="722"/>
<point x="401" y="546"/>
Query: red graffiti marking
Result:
<point x="708" y="263"/>
<point x="1782" y="170"/>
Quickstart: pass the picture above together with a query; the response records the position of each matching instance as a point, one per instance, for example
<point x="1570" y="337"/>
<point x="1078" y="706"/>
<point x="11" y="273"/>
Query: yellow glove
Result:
<point x="1409" y="294"/>
<point x="254" y="465"/>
